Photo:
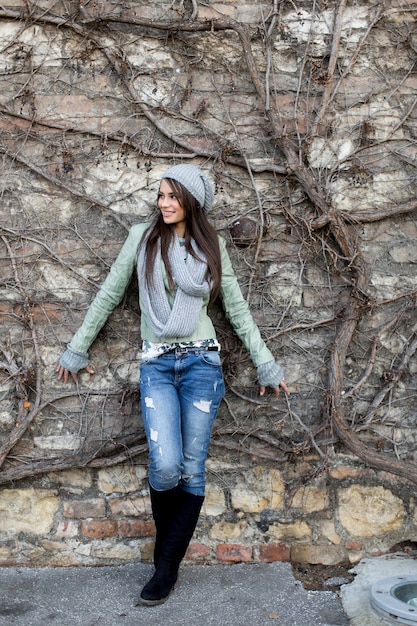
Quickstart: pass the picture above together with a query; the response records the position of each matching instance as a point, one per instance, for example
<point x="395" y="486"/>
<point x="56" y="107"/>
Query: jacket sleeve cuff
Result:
<point x="270" y="374"/>
<point x="73" y="361"/>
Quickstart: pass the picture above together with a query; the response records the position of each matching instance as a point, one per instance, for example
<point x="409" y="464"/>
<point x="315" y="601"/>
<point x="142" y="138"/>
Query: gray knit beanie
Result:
<point x="197" y="183"/>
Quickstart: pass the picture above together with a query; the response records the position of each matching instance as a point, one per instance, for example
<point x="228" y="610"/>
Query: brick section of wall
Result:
<point x="99" y="529"/>
<point x="234" y="553"/>
<point x="136" y="528"/>
<point x="122" y="528"/>
<point x="274" y="552"/>
<point x="198" y="552"/>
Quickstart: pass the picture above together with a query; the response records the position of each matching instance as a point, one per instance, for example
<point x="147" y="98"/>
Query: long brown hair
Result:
<point x="197" y="227"/>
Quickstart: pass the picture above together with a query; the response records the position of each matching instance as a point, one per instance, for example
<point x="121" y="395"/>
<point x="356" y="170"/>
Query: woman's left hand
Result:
<point x="277" y="389"/>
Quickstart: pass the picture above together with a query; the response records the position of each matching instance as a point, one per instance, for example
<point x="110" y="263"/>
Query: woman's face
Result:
<point x="170" y="207"/>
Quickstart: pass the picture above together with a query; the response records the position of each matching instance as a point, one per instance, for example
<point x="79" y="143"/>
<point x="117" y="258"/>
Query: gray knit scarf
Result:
<point x="189" y="275"/>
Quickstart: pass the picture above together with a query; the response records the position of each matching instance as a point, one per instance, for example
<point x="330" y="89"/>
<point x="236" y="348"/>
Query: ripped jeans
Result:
<point x="181" y="393"/>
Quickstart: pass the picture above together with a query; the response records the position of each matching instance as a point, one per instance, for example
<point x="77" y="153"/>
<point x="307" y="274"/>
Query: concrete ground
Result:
<point x="208" y="595"/>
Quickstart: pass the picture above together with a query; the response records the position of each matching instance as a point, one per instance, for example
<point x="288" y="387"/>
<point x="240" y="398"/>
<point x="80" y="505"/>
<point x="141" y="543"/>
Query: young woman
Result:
<point x="182" y="265"/>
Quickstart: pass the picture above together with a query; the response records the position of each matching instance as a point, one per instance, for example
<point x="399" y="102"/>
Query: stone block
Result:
<point x="369" y="511"/>
<point x="72" y="479"/>
<point x="9" y="554"/>
<point x="258" y="489"/>
<point x="146" y="551"/>
<point x="405" y="252"/>
<point x="67" y="529"/>
<point x="83" y="549"/>
<point x="328" y="531"/>
<point x="53" y="546"/>
<point x="130" y="507"/>
<point x="6" y="417"/>
<point x="318" y="554"/>
<point x="225" y="530"/>
<point x="84" y="509"/>
<point x="121" y="479"/>
<point x="28" y="511"/>
<point x="355" y="557"/>
<point x="217" y="10"/>
<point x="310" y="499"/>
<point x="293" y="530"/>
<point x="214" y="503"/>
<point x="111" y="552"/>
<point x="59" y="442"/>
<point x="58" y="559"/>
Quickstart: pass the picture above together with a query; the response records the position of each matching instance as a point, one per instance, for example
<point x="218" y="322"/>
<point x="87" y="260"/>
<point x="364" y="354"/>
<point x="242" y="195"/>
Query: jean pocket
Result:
<point x="211" y="357"/>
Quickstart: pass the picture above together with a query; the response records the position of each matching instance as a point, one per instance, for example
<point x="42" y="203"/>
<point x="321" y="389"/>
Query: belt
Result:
<point x="194" y="348"/>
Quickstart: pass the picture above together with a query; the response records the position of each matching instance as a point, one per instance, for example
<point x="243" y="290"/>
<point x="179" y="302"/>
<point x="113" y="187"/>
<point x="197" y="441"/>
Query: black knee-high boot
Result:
<point x="164" y="508"/>
<point x="174" y="547"/>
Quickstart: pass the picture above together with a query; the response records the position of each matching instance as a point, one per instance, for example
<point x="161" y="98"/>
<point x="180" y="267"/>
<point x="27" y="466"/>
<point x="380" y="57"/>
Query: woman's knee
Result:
<point x="193" y="478"/>
<point x="164" y="476"/>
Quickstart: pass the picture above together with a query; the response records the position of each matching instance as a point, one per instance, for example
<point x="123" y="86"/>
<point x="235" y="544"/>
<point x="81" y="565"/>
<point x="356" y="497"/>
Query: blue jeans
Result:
<point x="181" y="393"/>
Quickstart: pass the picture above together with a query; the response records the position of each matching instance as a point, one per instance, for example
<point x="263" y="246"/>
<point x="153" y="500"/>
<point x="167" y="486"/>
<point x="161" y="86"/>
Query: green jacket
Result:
<point x="114" y="287"/>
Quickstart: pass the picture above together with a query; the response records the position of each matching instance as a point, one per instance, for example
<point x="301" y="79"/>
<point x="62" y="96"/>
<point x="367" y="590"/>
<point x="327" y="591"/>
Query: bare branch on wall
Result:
<point x="305" y="121"/>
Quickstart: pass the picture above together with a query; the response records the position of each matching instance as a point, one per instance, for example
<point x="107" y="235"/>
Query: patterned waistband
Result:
<point x="153" y="350"/>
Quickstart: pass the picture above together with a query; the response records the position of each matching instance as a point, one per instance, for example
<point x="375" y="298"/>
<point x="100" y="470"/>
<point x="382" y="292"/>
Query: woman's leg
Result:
<point x="200" y="383"/>
<point x="161" y="418"/>
<point x="174" y="547"/>
<point x="164" y="509"/>
<point x="201" y="391"/>
<point x="180" y="397"/>
<point x="161" y="414"/>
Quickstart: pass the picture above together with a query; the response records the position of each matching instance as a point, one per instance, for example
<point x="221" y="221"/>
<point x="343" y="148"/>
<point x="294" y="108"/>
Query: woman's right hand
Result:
<point x="64" y="374"/>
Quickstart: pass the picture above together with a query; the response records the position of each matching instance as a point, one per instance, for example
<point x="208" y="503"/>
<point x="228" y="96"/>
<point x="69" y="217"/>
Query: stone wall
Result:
<point x="254" y="513"/>
<point x="304" y="118"/>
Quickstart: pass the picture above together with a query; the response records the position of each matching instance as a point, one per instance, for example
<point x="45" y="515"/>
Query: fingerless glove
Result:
<point x="270" y="374"/>
<point x="73" y="361"/>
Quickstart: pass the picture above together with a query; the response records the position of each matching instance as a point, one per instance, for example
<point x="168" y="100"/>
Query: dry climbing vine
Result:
<point x="97" y="97"/>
